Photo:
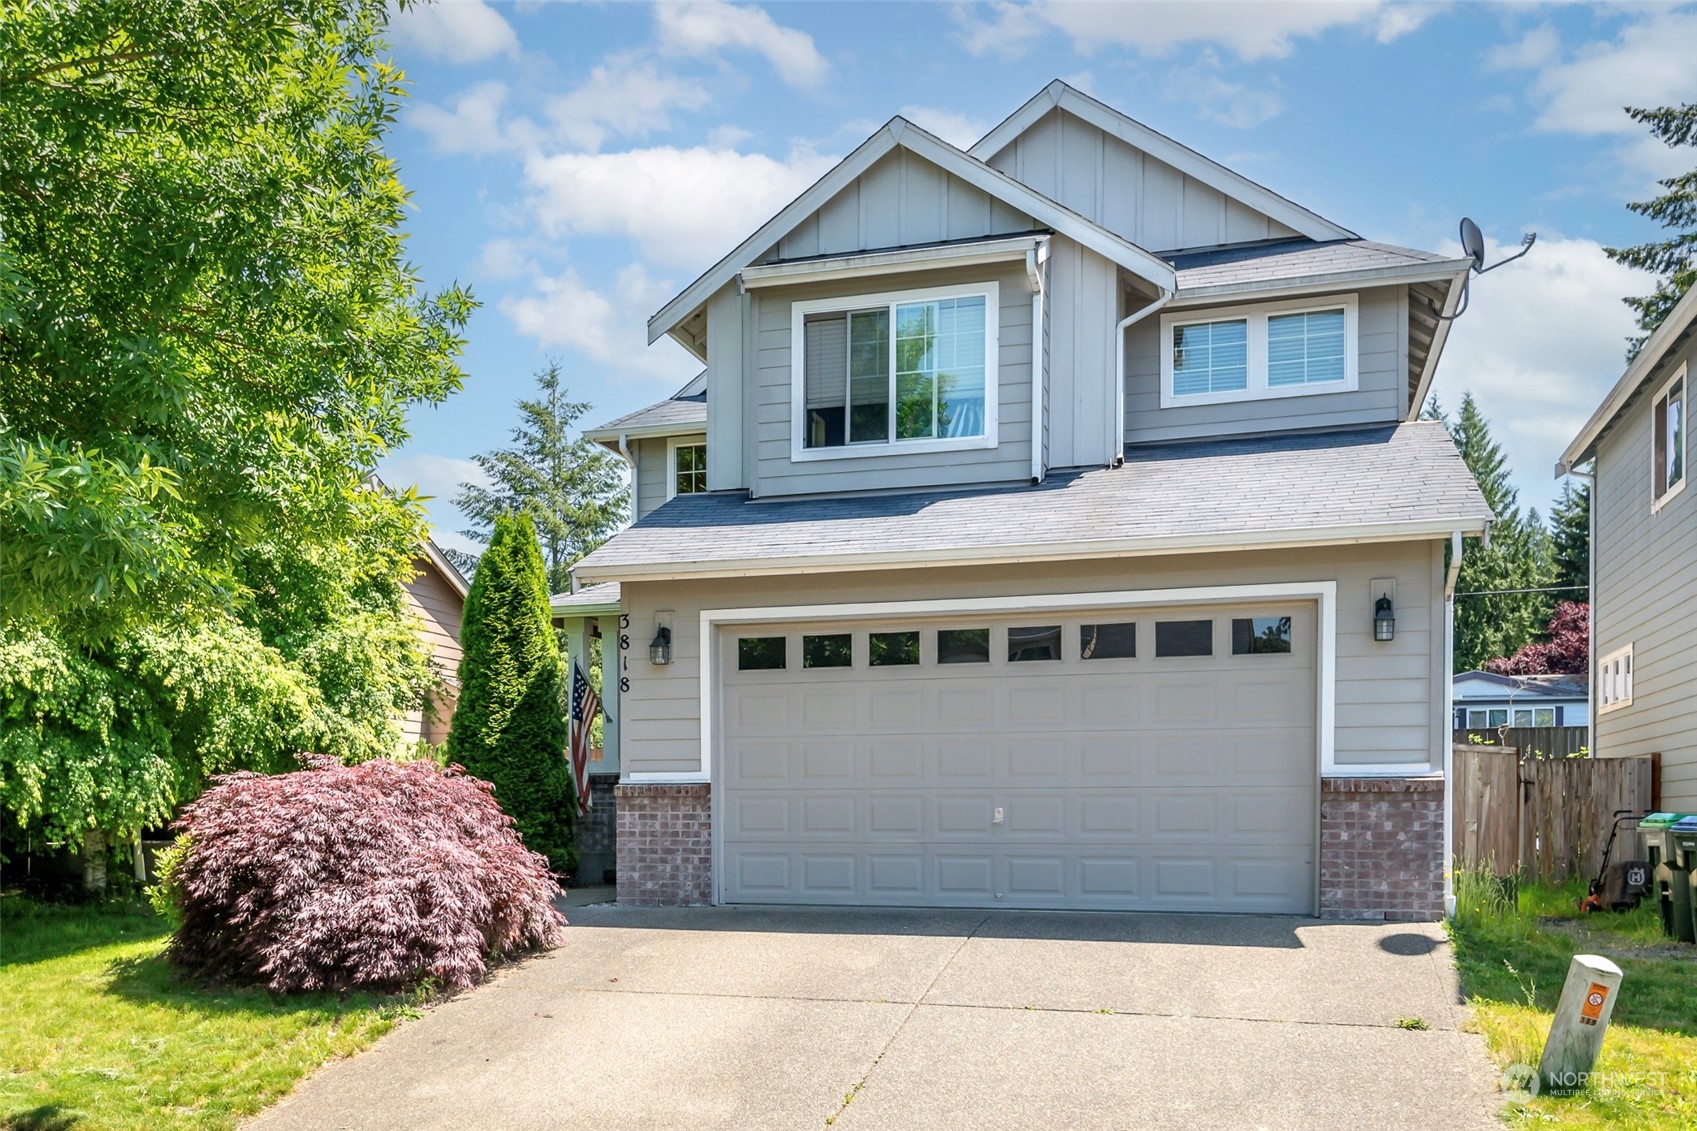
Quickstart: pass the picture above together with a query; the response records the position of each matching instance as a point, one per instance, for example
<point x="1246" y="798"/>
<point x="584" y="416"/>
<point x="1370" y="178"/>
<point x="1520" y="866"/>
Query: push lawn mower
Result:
<point x="1620" y="886"/>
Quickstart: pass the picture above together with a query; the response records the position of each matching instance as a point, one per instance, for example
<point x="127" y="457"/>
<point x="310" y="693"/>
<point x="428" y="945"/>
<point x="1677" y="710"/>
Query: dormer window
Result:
<point x="907" y="371"/>
<point x="1249" y="353"/>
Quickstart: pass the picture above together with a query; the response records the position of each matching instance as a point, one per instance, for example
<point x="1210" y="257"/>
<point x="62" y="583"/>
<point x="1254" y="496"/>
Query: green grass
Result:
<point x="1512" y="952"/>
<point x="99" y="1034"/>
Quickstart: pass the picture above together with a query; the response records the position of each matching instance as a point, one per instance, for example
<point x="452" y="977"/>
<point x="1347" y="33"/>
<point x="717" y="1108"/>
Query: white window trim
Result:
<point x="1604" y="687"/>
<point x="673" y="443"/>
<point x="1256" y="316"/>
<point x="1657" y="503"/>
<point x="989" y="291"/>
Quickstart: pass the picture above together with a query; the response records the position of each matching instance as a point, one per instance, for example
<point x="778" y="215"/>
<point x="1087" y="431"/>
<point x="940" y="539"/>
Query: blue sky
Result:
<point x="579" y="163"/>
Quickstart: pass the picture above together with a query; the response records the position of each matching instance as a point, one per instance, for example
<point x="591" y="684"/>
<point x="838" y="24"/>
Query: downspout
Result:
<point x="1116" y="432"/>
<point x="630" y="461"/>
<point x="1449" y="721"/>
<point x="1036" y="267"/>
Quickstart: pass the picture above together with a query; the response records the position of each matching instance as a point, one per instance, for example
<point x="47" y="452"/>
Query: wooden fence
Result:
<point x="1539" y="742"/>
<point x="1541" y="818"/>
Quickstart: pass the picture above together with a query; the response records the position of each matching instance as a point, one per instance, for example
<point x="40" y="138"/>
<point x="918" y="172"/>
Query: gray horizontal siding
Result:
<point x="776" y="474"/>
<point x="1378" y="400"/>
<point x="1647" y="596"/>
<point x="1127" y="191"/>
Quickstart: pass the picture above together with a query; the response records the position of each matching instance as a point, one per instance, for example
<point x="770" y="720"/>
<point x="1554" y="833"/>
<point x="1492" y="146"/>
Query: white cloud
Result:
<point x="1542" y="342"/>
<point x="1218" y="99"/>
<point x="959" y="130"/>
<point x="562" y="311"/>
<point x="473" y="124"/>
<point x="454" y="31"/>
<point x="625" y="95"/>
<point x="436" y="476"/>
<point x="1251" y="29"/>
<point x="1537" y="48"/>
<point x="681" y="207"/>
<point x="707" y="27"/>
<point x="1585" y="90"/>
<point x="505" y="259"/>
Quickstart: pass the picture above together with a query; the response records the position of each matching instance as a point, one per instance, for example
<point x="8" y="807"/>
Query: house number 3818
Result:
<point x="624" y="646"/>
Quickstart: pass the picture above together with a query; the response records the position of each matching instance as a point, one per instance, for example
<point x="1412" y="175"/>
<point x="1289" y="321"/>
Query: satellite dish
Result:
<point x="1473" y="243"/>
<point x="1473" y="247"/>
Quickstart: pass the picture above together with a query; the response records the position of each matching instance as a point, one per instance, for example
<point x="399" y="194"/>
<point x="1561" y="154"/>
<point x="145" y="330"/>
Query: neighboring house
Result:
<point x="1052" y="489"/>
<point x="1644" y="559"/>
<point x="436" y="596"/>
<point x="1486" y="701"/>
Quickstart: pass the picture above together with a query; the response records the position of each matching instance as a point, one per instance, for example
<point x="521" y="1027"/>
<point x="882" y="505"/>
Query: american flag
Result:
<point x="585" y="704"/>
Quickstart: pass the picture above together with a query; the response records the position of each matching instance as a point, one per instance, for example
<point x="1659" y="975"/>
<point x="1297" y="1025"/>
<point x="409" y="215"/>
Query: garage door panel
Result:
<point x="1126" y="783"/>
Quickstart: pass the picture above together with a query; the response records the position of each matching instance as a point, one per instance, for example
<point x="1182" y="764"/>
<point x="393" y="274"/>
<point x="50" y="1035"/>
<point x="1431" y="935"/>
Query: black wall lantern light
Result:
<point x="660" y="650"/>
<point x="1384" y="620"/>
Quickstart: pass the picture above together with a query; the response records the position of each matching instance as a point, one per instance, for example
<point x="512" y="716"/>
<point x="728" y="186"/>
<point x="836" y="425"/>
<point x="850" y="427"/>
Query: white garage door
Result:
<point x="1160" y="760"/>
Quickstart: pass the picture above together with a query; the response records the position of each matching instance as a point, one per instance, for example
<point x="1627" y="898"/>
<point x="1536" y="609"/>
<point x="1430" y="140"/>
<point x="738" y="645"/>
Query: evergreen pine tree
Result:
<point x="573" y="490"/>
<point x="1674" y="259"/>
<point x="508" y="726"/>
<point x="1570" y="543"/>
<point x="1496" y="622"/>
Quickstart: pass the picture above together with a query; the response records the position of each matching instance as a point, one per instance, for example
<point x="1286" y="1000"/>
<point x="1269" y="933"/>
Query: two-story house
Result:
<point x="1644" y="559"/>
<point x="1051" y="527"/>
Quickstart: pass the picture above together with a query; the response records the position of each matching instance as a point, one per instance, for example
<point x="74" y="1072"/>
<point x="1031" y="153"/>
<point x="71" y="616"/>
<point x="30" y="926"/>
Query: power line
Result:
<point x="1511" y="592"/>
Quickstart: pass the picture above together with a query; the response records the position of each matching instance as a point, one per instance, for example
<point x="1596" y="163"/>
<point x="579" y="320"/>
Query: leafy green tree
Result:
<point x="1570" y="543"/>
<point x="1492" y="620"/>
<point x="508" y="726"/>
<point x="573" y="490"/>
<point x="1673" y="259"/>
<point x="207" y="326"/>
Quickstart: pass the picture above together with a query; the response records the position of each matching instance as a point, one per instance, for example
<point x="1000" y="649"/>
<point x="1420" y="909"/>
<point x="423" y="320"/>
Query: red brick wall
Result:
<point x="1382" y="848"/>
<point x="665" y="845"/>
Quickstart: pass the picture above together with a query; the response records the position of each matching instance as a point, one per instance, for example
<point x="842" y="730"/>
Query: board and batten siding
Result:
<point x="901" y="201"/>
<point x="1379" y="398"/>
<point x="1646" y="596"/>
<point x="438" y="608"/>
<point x="1127" y="191"/>
<point x="1389" y="706"/>
<point x="776" y="474"/>
<point x="1082" y="307"/>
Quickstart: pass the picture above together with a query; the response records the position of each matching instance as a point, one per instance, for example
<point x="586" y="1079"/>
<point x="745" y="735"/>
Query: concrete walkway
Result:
<point x="743" y="1018"/>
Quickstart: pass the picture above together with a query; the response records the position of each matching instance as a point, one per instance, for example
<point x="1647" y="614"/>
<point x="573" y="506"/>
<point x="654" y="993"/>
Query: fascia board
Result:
<point x="1309" y="284"/>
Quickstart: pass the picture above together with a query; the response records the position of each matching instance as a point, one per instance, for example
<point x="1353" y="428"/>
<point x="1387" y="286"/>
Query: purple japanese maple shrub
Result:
<point x="377" y="876"/>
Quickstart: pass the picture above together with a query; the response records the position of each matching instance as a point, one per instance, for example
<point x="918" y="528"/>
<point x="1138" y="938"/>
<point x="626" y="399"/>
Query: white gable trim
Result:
<point x="1162" y="148"/>
<point x="899" y="132"/>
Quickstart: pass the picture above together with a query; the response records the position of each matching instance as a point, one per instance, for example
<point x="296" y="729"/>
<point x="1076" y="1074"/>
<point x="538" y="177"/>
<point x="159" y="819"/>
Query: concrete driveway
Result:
<point x="763" y="1018"/>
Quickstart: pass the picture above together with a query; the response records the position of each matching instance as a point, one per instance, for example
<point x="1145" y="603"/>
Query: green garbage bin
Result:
<point x="1680" y="917"/>
<point x="1653" y="830"/>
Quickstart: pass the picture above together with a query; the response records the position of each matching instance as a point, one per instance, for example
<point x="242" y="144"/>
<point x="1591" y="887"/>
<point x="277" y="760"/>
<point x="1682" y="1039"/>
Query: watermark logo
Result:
<point x="1520" y="1082"/>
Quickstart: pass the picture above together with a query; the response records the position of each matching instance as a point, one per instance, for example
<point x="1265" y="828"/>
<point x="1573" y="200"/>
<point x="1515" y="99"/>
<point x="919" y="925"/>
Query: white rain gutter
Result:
<point x="1036" y="267"/>
<point x="1448" y="729"/>
<point x="1116" y="433"/>
<point x="630" y="461"/>
<point x="1590" y="479"/>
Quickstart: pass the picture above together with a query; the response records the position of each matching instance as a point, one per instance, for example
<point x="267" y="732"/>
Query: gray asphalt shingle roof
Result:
<point x="679" y="412"/>
<point x="1194" y="495"/>
<point x="1292" y="259"/>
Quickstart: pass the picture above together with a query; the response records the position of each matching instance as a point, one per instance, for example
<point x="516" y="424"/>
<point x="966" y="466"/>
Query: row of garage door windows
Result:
<point x="1251" y="636"/>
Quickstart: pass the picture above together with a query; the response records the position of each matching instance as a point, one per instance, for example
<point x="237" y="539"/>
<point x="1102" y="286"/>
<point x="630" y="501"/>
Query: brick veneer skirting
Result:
<point x="1382" y="848"/>
<point x="597" y="831"/>
<point x="665" y="845"/>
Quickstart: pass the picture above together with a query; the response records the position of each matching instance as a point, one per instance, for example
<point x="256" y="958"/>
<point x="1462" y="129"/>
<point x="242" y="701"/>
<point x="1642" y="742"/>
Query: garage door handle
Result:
<point x="996" y="818"/>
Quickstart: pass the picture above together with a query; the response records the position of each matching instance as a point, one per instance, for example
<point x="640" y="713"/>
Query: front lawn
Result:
<point x="98" y="1033"/>
<point x="1512" y="956"/>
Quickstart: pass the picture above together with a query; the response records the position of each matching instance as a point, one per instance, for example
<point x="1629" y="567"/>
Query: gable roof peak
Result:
<point x="1059" y="95"/>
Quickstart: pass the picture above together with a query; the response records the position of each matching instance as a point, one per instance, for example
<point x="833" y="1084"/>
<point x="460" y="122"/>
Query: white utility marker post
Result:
<point x="1582" y="1017"/>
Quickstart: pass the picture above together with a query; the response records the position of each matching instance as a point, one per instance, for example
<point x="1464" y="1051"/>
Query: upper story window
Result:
<point x="1248" y="353"/>
<point x="689" y="468"/>
<point x="904" y="371"/>
<point x="1667" y="416"/>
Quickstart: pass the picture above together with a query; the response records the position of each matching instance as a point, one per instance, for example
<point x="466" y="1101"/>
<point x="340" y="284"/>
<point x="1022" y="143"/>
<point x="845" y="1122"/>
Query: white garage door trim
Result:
<point x="1323" y="593"/>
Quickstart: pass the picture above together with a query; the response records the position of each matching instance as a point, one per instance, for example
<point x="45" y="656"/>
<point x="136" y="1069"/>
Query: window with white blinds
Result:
<point x="896" y="370"/>
<point x="1247" y="353"/>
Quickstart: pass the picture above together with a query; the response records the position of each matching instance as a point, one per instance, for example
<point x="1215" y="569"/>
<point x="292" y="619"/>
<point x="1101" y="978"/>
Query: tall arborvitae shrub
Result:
<point x="508" y="725"/>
